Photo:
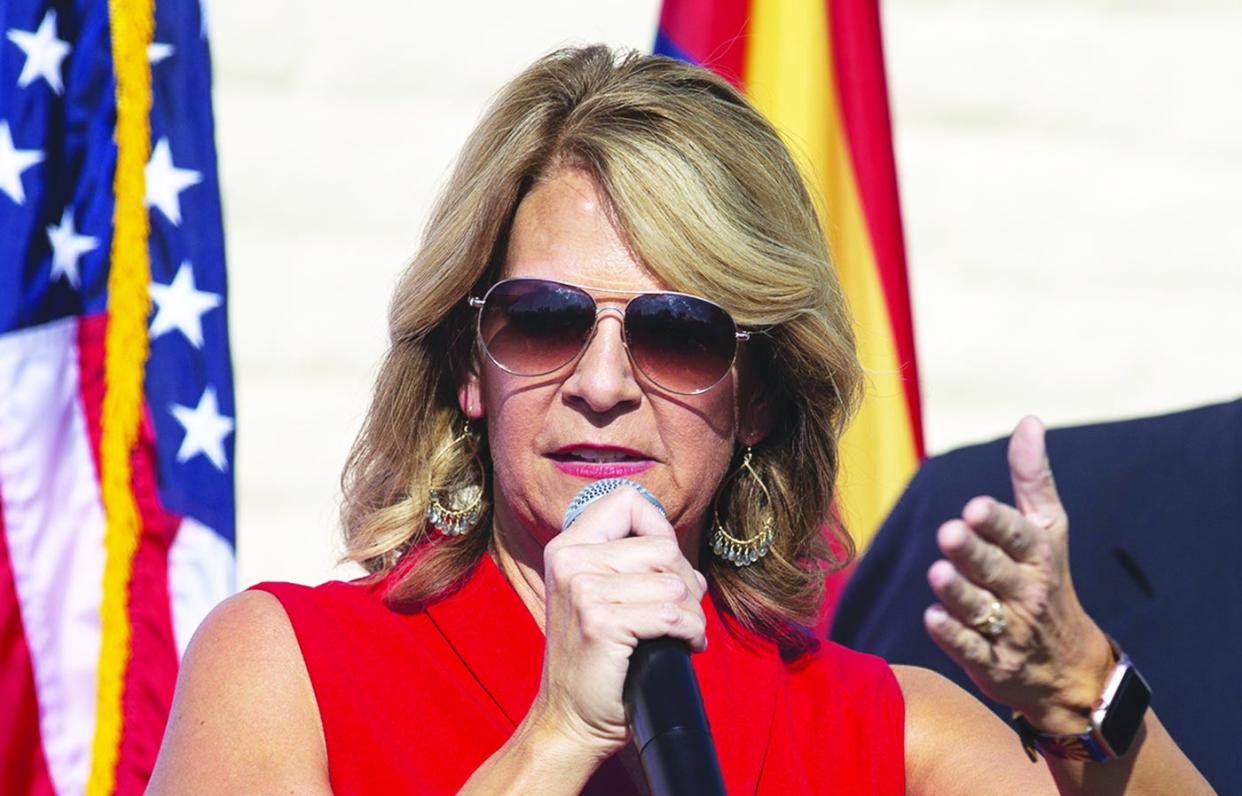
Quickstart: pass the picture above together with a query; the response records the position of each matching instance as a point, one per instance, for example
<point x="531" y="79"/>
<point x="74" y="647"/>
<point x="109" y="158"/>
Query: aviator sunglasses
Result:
<point x="682" y="343"/>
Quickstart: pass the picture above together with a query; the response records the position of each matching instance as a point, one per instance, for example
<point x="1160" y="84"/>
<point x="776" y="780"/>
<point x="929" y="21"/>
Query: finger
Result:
<point x="631" y="623"/>
<point x="634" y="554"/>
<point x="981" y="562"/>
<point x="1004" y="527"/>
<point x="642" y="587"/>
<point x="964" y="645"/>
<point x="616" y="515"/>
<point x="1035" y="492"/>
<point x="965" y="601"/>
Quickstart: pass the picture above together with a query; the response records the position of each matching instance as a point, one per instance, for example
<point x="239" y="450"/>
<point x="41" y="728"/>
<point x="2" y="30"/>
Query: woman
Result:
<point x="550" y="333"/>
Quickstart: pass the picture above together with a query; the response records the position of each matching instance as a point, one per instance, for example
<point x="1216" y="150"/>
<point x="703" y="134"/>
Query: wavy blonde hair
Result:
<point x="709" y="199"/>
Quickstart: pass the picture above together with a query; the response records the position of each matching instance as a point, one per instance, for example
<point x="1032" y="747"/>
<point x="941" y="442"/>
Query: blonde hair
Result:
<point x="709" y="199"/>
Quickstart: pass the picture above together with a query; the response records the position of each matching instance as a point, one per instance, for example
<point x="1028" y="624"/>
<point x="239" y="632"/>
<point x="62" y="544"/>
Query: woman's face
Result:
<point x="597" y="416"/>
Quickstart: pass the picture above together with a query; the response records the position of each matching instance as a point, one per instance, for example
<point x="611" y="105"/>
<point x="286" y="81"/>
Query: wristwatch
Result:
<point x="1114" y="720"/>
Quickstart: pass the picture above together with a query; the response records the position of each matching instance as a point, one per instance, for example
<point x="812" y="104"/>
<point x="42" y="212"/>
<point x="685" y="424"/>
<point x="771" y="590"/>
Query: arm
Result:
<point x="537" y="758"/>
<point x="956" y="745"/>
<point x="1045" y="657"/>
<point x="940" y="715"/>
<point x="244" y="717"/>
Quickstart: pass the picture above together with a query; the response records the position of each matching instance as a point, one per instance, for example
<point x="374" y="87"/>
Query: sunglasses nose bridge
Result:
<point x="618" y="311"/>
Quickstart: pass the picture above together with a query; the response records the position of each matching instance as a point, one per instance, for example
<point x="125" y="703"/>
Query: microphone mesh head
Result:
<point x="597" y="489"/>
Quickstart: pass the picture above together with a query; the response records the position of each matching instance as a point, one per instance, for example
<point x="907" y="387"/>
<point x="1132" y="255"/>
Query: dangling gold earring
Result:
<point x="743" y="552"/>
<point x="452" y="512"/>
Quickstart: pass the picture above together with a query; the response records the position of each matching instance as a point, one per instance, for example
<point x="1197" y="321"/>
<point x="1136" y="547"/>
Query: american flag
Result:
<point x="85" y="691"/>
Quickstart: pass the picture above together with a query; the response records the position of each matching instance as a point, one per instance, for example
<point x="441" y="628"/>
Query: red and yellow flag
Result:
<point x="815" y="68"/>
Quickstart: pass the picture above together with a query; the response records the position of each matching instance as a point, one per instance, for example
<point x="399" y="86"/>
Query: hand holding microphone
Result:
<point x="616" y="576"/>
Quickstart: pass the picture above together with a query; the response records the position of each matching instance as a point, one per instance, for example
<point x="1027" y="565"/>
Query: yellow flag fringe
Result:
<point x="125" y="356"/>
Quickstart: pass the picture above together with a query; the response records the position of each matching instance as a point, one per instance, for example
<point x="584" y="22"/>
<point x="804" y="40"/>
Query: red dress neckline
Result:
<point x="739" y="668"/>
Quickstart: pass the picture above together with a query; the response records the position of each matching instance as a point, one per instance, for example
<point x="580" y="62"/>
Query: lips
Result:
<point x="592" y="461"/>
<point x="597" y="454"/>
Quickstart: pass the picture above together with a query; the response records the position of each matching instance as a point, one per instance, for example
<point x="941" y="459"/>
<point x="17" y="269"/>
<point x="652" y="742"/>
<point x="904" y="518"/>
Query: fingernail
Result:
<point x="935" y="615"/>
<point x="702" y="580"/>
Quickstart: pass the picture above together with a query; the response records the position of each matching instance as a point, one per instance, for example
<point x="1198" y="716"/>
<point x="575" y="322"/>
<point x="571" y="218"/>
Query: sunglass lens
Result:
<point x="682" y="343"/>
<point x="531" y="327"/>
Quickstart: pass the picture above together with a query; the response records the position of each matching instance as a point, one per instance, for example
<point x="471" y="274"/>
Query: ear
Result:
<point x="470" y="391"/>
<point x="754" y="417"/>
<point x="755" y="414"/>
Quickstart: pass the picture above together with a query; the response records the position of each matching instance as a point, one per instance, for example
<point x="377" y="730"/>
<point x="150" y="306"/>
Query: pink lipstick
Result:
<point x="591" y="461"/>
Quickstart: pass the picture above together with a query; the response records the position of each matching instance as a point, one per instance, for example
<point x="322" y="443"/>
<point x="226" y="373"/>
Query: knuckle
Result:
<point x="551" y="554"/>
<point x="973" y="653"/>
<point x="989" y="574"/>
<point x="1038" y="603"/>
<point x="626" y="496"/>
<point x="954" y="588"/>
<point x="555" y="554"/>
<point x="991" y="567"/>
<point x="1015" y="535"/>
<point x="582" y="586"/>
<point x="1007" y="669"/>
<point x="975" y="551"/>
<point x="593" y="621"/>
<point x="665" y="550"/>
<point x="675" y="587"/>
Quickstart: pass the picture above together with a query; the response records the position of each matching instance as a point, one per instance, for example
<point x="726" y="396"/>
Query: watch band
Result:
<point x="1068" y="747"/>
<point x="1090" y="744"/>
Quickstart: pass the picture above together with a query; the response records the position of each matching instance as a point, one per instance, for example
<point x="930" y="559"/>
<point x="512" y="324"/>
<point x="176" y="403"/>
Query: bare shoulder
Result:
<point x="954" y="744"/>
<point x="244" y="717"/>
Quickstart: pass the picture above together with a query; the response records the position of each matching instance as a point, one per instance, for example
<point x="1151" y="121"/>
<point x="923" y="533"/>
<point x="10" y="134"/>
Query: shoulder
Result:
<point x="244" y="715"/>
<point x="839" y="687"/>
<point x="955" y="744"/>
<point x="844" y="667"/>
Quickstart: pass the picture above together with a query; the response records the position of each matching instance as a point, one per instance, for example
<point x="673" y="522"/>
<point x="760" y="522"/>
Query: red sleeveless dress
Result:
<point x="415" y="702"/>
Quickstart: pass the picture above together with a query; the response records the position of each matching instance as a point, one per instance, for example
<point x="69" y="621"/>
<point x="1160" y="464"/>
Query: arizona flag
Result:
<point x="116" y="399"/>
<point x="815" y="68"/>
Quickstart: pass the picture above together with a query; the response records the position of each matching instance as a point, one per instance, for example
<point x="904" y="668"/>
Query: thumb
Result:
<point x="1034" y="491"/>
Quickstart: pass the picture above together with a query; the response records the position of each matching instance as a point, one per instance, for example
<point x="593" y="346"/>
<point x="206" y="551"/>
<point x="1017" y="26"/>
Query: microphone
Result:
<point x="662" y="696"/>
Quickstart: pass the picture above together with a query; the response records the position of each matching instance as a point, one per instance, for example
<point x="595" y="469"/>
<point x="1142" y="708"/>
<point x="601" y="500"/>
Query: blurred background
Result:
<point x="1070" y="176"/>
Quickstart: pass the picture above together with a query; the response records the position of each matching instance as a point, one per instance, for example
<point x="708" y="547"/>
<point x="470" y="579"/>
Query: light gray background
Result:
<point x="1070" y="177"/>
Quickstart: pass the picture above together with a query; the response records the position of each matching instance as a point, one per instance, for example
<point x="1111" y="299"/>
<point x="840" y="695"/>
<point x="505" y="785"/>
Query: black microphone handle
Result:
<point x="665" y="707"/>
<point x="662" y="696"/>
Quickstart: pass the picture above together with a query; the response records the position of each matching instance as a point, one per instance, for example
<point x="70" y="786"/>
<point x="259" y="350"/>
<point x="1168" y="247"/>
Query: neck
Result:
<point x="521" y="562"/>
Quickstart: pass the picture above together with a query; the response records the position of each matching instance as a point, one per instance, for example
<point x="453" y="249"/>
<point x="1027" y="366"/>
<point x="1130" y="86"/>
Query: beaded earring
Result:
<point x="743" y="552"/>
<point x="452" y="512"/>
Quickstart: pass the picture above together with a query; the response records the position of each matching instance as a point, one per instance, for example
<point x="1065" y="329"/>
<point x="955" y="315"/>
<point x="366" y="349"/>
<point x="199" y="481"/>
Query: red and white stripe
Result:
<point x="52" y="563"/>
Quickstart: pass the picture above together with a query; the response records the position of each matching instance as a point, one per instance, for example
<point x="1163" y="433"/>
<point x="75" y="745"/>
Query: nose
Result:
<point x="603" y="377"/>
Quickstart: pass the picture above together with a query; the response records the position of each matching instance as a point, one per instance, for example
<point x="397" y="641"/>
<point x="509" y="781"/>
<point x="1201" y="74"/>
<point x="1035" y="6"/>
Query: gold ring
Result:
<point x="992" y="624"/>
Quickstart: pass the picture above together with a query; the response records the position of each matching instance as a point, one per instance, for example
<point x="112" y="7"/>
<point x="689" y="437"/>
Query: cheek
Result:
<point x="700" y="438"/>
<point x="516" y="415"/>
<point x="509" y="419"/>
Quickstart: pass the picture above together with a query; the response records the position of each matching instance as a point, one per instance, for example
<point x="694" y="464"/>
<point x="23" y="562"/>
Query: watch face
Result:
<point x="1125" y="713"/>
